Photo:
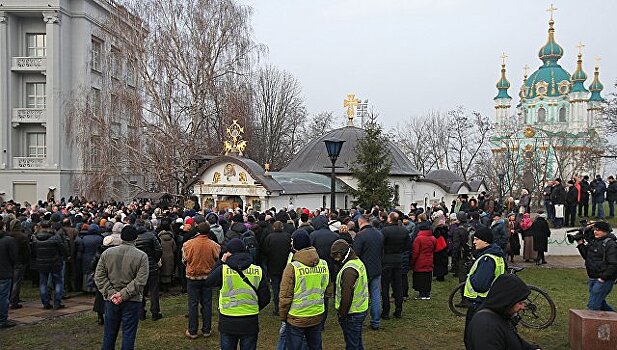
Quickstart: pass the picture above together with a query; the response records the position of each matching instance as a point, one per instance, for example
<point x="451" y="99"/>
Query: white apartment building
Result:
<point x="49" y="51"/>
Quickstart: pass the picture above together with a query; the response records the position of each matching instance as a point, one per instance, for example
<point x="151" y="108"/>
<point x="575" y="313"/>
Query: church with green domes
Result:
<point x="555" y="129"/>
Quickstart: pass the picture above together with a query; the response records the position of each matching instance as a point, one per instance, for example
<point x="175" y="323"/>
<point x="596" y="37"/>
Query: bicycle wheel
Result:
<point x="540" y="310"/>
<point x="456" y="301"/>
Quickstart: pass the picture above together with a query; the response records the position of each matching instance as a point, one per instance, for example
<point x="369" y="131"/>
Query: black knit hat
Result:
<point x="484" y="234"/>
<point x="128" y="234"/>
<point x="300" y="239"/>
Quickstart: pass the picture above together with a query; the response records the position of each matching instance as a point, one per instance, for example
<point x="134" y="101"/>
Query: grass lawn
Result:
<point x="425" y="324"/>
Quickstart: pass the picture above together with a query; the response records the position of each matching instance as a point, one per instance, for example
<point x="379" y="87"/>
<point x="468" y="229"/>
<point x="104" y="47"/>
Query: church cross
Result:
<point x="598" y="59"/>
<point x="526" y="69"/>
<point x="552" y="9"/>
<point x="351" y="102"/>
<point x="580" y="47"/>
<point x="503" y="58"/>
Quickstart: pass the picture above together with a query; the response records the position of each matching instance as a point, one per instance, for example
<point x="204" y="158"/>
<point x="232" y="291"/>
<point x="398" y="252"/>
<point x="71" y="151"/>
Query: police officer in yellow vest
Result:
<point x="244" y="291"/>
<point x="351" y="295"/>
<point x="301" y="300"/>
<point x="489" y="265"/>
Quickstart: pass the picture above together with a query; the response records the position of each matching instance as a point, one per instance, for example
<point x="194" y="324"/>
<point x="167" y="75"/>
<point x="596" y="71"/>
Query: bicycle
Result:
<point x="539" y="313"/>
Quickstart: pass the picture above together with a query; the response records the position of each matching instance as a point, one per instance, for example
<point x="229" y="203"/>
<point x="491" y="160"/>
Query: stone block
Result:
<point x="593" y="330"/>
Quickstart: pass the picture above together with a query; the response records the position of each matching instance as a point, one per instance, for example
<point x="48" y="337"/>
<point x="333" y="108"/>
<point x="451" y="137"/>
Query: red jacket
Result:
<point x="423" y="249"/>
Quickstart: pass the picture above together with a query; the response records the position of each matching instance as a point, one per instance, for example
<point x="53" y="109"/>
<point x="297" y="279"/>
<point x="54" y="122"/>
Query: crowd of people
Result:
<point x="300" y="258"/>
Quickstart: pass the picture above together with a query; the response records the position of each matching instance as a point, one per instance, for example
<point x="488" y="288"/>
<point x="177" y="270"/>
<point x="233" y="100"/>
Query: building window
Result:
<point x="115" y="130"/>
<point x="36" y="45"/>
<point x="36" y="144"/>
<point x="95" y="101"/>
<point x="562" y="114"/>
<point x="116" y="64"/>
<point x="541" y="115"/>
<point x="130" y="73"/>
<point x="35" y="95"/>
<point x="95" y="55"/>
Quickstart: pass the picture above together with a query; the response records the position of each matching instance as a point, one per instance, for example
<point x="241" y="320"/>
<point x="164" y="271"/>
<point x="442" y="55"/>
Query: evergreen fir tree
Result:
<point x="371" y="169"/>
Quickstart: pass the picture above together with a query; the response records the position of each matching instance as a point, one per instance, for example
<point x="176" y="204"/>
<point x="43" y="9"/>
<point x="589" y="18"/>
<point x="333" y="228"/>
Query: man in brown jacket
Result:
<point x="301" y="299"/>
<point x="199" y="255"/>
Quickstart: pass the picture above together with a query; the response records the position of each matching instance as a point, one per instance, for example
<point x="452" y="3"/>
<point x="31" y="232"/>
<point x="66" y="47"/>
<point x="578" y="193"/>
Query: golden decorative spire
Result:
<point x="350" y="103"/>
<point x="267" y="168"/>
<point x="235" y="144"/>
<point x="525" y="71"/>
<point x="597" y="59"/>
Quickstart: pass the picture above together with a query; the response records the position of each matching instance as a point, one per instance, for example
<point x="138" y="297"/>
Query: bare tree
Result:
<point x="468" y="135"/>
<point x="278" y="116"/>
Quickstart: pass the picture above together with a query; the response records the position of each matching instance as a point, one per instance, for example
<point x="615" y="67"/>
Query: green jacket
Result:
<point x="122" y="269"/>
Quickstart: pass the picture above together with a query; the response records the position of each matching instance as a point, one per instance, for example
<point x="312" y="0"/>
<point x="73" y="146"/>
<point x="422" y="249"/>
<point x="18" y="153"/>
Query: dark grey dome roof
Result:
<point x="314" y="158"/>
<point x="444" y="176"/>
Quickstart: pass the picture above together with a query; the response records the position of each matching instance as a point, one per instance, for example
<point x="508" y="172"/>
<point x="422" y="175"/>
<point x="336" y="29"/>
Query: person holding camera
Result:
<point x="600" y="254"/>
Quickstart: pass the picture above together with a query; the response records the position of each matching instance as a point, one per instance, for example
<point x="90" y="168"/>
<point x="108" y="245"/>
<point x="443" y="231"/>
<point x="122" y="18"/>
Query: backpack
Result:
<point x="252" y="247"/>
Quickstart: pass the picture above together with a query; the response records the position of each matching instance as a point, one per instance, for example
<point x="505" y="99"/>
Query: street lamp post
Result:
<point x="333" y="146"/>
<point x="501" y="176"/>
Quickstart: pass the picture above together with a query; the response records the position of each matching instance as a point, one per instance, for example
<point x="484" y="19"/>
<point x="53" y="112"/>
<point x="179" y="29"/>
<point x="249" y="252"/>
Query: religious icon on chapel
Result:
<point x="230" y="171"/>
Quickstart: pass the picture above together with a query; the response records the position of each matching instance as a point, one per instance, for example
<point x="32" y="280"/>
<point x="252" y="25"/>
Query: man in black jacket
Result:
<point x="368" y="245"/>
<point x="239" y="325"/>
<point x="395" y="242"/>
<point x="583" y="204"/>
<point x="601" y="263"/>
<point x="49" y="253"/>
<point x="8" y="259"/>
<point x="322" y="239"/>
<point x="571" y="203"/>
<point x="558" y="198"/>
<point x="611" y="196"/>
<point x="149" y="243"/>
<point x="275" y="250"/>
<point x="492" y="327"/>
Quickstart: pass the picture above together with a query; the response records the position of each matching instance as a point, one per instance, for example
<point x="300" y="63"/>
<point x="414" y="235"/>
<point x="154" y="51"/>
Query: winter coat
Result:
<point x="123" y="269"/>
<point x="585" y="188"/>
<point x="23" y="243"/>
<point x="599" y="190"/>
<point x="558" y="195"/>
<point x="275" y="250"/>
<point x="8" y="256"/>
<point x="368" y="245"/>
<point x="395" y="241"/>
<point x="48" y="251"/>
<point x="239" y="325"/>
<point x="200" y="255"/>
<point x="86" y="246"/>
<point x="611" y="191"/>
<point x="148" y="243"/>
<point x="600" y="257"/>
<point x="541" y="232"/>
<point x="523" y="202"/>
<point x="322" y="239"/>
<point x="217" y="231"/>
<point x="168" y="245"/>
<point x="460" y="238"/>
<point x="309" y="257"/>
<point x="236" y="230"/>
<point x="500" y="233"/>
<point x="422" y="252"/>
<point x="572" y="196"/>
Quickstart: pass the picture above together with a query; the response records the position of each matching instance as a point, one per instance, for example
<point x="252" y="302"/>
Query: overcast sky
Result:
<point x="412" y="56"/>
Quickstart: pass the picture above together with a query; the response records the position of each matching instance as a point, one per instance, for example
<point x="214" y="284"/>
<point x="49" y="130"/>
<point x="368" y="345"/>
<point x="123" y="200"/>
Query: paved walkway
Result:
<point x="33" y="311"/>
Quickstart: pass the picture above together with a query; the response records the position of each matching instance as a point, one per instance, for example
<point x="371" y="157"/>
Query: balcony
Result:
<point x="29" y="64"/>
<point x="29" y="162"/>
<point x="28" y="115"/>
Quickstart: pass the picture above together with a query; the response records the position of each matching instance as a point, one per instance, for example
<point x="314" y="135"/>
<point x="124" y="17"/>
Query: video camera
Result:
<point x="584" y="232"/>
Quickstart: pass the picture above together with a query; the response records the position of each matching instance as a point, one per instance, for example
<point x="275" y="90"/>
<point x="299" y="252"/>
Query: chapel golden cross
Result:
<point x="552" y="9"/>
<point x="598" y="59"/>
<point x="580" y="47"/>
<point x="525" y="69"/>
<point x="351" y="102"/>
<point x="503" y="58"/>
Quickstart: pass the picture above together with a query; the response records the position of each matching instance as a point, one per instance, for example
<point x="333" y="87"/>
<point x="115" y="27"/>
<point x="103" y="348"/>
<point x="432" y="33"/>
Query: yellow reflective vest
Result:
<point x="500" y="268"/>
<point x="309" y="288"/>
<point x="236" y="297"/>
<point x="360" y="291"/>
